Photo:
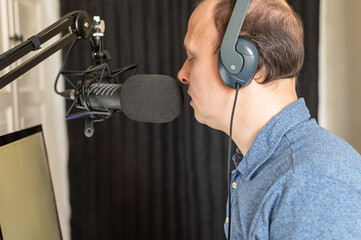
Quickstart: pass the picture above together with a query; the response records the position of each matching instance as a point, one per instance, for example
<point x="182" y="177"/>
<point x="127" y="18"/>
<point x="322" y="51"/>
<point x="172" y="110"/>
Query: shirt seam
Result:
<point x="292" y="153"/>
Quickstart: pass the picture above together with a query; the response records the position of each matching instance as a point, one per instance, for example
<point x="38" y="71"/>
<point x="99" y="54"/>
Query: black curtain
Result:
<point x="155" y="181"/>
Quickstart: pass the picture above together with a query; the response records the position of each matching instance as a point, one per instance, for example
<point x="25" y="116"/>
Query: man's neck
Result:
<point x="257" y="106"/>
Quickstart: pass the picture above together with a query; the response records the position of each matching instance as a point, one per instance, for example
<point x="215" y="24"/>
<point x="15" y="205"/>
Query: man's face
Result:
<point x="200" y="71"/>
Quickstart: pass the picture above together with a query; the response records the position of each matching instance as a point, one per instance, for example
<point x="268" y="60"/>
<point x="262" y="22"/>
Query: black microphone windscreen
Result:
<point x="151" y="98"/>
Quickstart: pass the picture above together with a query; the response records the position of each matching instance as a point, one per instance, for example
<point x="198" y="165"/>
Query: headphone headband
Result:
<point x="232" y="60"/>
<point x="238" y="57"/>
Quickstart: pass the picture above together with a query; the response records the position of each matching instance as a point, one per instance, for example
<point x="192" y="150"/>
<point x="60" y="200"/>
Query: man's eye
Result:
<point x="190" y="59"/>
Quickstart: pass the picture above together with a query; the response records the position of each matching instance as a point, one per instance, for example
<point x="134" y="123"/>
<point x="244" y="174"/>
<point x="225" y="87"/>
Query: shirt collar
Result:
<point x="269" y="138"/>
<point x="237" y="157"/>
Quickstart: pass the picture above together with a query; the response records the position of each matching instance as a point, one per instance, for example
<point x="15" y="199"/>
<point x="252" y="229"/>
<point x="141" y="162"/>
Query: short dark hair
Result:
<point x="275" y="29"/>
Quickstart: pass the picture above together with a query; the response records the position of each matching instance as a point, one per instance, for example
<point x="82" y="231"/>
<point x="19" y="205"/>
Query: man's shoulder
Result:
<point x="318" y="153"/>
<point x="316" y="187"/>
<point x="310" y="143"/>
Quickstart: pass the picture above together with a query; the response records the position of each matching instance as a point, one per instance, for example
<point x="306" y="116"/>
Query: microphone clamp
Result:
<point x="95" y="94"/>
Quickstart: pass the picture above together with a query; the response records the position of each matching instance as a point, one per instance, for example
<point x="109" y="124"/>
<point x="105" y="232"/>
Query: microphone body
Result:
<point x="101" y="96"/>
<point x="144" y="98"/>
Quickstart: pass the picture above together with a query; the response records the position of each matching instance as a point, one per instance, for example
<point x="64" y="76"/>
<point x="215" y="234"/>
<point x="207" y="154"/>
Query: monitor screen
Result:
<point x="27" y="202"/>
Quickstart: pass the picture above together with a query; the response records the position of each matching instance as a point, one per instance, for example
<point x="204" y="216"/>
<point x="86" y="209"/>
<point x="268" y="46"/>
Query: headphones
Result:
<point x="238" y="57"/>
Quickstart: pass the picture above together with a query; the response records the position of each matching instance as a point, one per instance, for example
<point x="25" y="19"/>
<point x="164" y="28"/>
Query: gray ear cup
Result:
<point x="249" y="54"/>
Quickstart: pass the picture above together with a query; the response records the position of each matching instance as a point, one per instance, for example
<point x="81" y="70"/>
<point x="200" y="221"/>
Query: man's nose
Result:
<point x="183" y="74"/>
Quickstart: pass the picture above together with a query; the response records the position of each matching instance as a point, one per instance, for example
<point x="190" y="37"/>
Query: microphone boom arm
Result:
<point x="79" y="24"/>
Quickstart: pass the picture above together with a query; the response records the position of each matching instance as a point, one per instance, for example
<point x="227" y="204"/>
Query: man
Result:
<point x="296" y="180"/>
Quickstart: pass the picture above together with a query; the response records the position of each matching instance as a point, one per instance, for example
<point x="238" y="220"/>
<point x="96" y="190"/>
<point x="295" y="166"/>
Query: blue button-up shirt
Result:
<point x="297" y="181"/>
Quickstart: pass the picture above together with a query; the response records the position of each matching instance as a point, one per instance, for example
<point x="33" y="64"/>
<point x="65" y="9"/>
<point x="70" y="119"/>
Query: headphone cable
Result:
<point x="229" y="175"/>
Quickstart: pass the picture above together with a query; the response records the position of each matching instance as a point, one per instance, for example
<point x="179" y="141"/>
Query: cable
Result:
<point x="229" y="175"/>
<point x="62" y="67"/>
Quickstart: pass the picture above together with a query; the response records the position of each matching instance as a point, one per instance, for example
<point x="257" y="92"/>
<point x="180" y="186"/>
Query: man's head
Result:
<point x="274" y="28"/>
<point x="271" y="25"/>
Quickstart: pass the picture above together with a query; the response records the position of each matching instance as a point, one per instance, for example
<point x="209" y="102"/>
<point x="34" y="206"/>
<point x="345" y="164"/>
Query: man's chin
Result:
<point x="198" y="116"/>
<point x="202" y="119"/>
<point x="210" y="122"/>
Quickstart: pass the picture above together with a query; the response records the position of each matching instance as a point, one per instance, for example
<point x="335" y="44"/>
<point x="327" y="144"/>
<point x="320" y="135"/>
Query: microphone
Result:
<point x="148" y="98"/>
<point x="151" y="98"/>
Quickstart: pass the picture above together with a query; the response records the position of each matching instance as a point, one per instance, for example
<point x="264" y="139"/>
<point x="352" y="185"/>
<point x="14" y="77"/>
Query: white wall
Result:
<point x="340" y="69"/>
<point x="55" y="129"/>
<point x="41" y="105"/>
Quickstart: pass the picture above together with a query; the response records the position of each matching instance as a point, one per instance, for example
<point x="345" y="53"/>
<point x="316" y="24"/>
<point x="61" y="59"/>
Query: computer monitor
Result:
<point x="27" y="201"/>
